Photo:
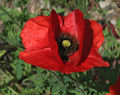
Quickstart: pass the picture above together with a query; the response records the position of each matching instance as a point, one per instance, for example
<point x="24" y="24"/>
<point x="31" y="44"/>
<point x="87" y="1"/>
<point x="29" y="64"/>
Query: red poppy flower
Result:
<point x="62" y="43"/>
<point x="115" y="88"/>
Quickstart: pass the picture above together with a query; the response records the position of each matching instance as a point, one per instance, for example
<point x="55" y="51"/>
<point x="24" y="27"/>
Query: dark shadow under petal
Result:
<point x="88" y="41"/>
<point x="53" y="32"/>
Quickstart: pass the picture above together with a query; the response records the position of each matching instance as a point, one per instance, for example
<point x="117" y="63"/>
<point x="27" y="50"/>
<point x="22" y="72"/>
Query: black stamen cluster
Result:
<point x="65" y="52"/>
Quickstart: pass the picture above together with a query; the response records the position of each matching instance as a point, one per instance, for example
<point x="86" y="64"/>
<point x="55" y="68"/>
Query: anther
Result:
<point x="66" y="43"/>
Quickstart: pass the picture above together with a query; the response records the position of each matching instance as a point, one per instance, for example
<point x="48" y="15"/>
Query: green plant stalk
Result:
<point x="10" y="17"/>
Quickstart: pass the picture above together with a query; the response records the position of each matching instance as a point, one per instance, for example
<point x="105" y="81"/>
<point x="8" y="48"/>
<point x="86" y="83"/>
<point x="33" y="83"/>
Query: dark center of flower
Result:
<point x="67" y="45"/>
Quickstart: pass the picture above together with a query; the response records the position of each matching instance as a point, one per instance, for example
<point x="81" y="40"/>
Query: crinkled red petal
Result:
<point x="93" y="60"/>
<point x="98" y="36"/>
<point x="53" y="32"/>
<point x="87" y="41"/>
<point x="35" y="33"/>
<point x="42" y="58"/>
<point x="108" y="94"/>
<point x="74" y="24"/>
<point x="93" y="38"/>
<point x="115" y="89"/>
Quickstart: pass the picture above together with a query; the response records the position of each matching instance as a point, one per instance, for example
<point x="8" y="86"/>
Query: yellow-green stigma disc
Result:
<point x="66" y="43"/>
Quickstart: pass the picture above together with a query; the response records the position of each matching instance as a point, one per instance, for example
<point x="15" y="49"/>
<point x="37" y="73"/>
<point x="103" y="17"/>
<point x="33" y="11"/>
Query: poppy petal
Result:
<point x="75" y="25"/>
<point x="53" y="32"/>
<point x="115" y="88"/>
<point x="42" y="58"/>
<point x="94" y="60"/>
<point x="88" y="40"/>
<point x="35" y="33"/>
<point x="74" y="59"/>
<point x="98" y="36"/>
<point x="108" y="94"/>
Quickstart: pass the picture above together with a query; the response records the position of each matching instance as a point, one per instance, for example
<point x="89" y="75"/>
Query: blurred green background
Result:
<point x="19" y="78"/>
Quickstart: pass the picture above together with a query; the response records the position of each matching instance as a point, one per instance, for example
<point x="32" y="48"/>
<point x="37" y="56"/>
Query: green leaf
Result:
<point x="12" y="91"/>
<point x="106" y="53"/>
<point x="19" y="69"/>
<point x="76" y="92"/>
<point x="105" y="32"/>
<point x="118" y="23"/>
<point x="60" y="10"/>
<point x="2" y="52"/>
<point x="5" y="77"/>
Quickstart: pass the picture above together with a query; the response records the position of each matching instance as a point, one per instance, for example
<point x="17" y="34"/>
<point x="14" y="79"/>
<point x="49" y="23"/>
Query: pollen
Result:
<point x="66" y="43"/>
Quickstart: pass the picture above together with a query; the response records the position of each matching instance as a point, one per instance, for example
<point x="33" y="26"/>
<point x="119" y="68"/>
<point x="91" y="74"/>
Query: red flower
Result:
<point x="62" y="43"/>
<point x="115" y="88"/>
